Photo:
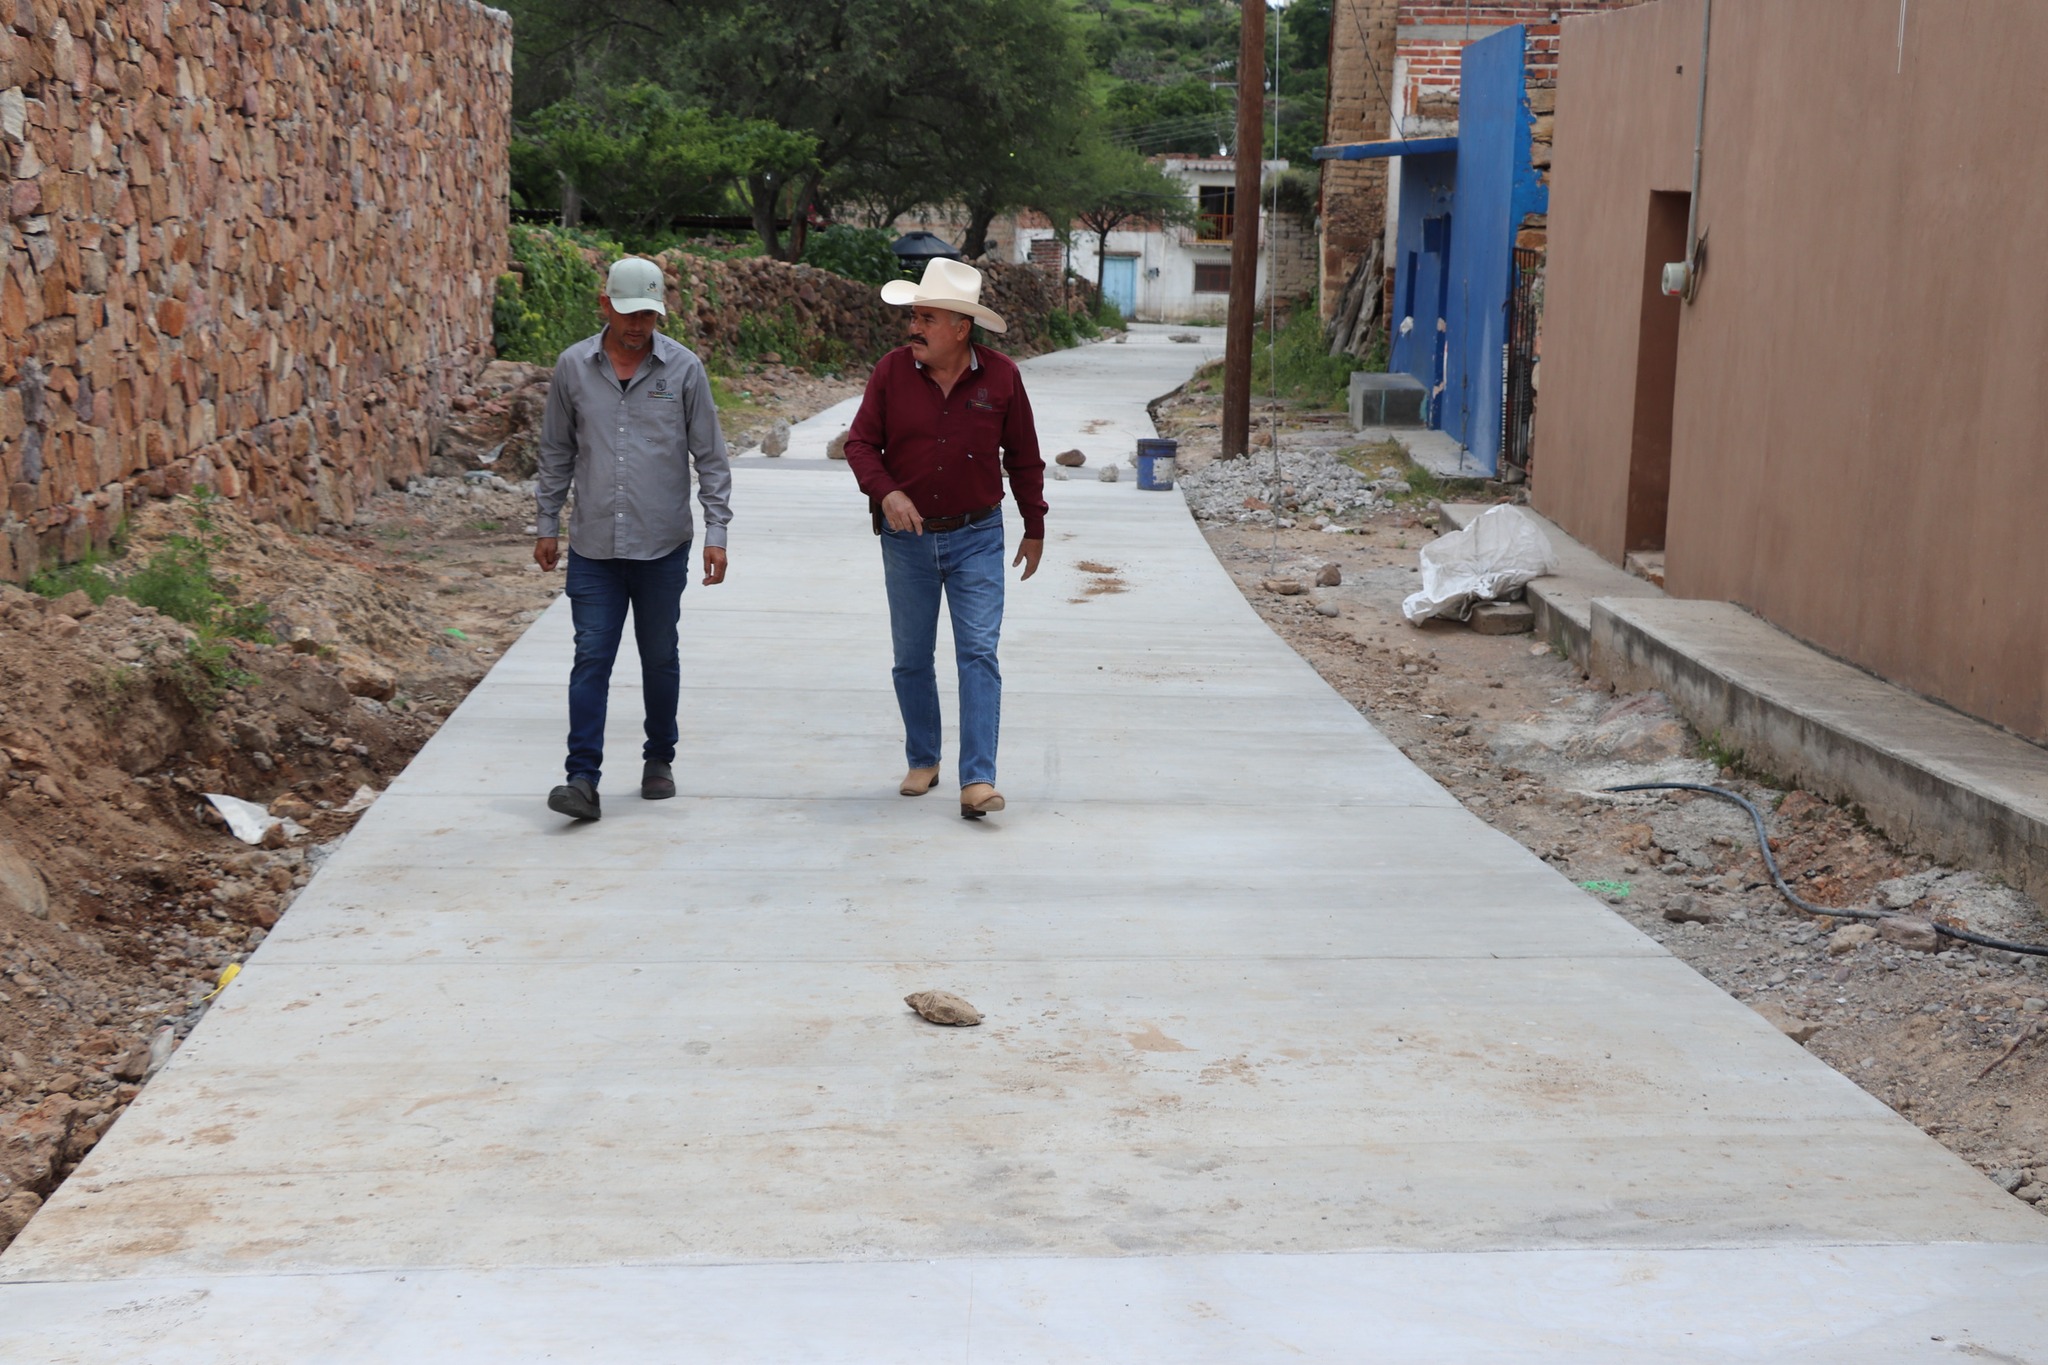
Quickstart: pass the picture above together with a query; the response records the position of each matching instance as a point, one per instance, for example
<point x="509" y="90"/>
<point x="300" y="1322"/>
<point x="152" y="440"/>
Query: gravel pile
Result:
<point x="1311" y="482"/>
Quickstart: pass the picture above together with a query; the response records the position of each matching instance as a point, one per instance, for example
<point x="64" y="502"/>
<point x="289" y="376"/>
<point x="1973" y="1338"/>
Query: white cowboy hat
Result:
<point x="948" y="284"/>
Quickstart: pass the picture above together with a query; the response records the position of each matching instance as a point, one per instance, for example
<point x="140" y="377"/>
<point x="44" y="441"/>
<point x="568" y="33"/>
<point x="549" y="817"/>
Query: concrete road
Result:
<point x="1287" y="1056"/>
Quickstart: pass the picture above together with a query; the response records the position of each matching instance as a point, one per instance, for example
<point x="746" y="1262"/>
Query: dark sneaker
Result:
<point x="658" y="782"/>
<point x="576" y="798"/>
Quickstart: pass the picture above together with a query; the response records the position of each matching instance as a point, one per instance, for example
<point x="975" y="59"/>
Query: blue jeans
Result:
<point x="967" y="566"/>
<point x="600" y="591"/>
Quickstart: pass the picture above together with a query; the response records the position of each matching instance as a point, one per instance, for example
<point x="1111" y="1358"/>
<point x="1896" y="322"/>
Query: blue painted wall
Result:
<point x="1495" y="187"/>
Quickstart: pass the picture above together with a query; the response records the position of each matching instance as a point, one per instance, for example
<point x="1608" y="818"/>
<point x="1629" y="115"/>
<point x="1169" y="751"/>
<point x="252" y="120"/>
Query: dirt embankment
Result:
<point x="122" y="896"/>
<point x="1951" y="1039"/>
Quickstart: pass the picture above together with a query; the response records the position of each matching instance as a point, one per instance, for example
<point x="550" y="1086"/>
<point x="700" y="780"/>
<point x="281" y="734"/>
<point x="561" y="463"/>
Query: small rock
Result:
<point x="1797" y="1029"/>
<point x="943" y="1007"/>
<point x="1916" y="934"/>
<point x="1108" y="474"/>
<point x="1327" y="609"/>
<point x="2008" y="1180"/>
<point x="1398" y="488"/>
<point x="1072" y="459"/>
<point x="2032" y="1193"/>
<point x="22" y="889"/>
<point x="1503" y="618"/>
<point x="1286" y="587"/>
<point x="290" y="807"/>
<point x="2034" y="1004"/>
<point x="61" y="627"/>
<point x="15" y="1211"/>
<point x="1691" y="909"/>
<point x="74" y="604"/>
<point x="777" y="439"/>
<point x="1330" y="576"/>
<point x="835" y="449"/>
<point x="365" y="679"/>
<point x="1850" y="937"/>
<point x="1798" y="805"/>
<point x="133" y="1065"/>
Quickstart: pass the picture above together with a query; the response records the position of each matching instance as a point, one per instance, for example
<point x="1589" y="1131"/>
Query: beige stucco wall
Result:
<point x="1860" y="426"/>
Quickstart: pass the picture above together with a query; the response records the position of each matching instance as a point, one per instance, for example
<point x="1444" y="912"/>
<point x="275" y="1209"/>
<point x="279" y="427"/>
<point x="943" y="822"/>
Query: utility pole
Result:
<point x="1244" y="231"/>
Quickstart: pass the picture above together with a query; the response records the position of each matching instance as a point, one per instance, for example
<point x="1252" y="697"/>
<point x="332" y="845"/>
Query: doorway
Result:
<point x="1649" y="457"/>
<point x="1120" y="283"/>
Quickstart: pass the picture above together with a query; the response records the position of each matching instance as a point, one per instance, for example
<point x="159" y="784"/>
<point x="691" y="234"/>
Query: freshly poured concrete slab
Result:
<point x="1286" y="1056"/>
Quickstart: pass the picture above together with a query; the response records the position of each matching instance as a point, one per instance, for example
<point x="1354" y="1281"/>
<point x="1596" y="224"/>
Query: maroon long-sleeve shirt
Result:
<point x="949" y="451"/>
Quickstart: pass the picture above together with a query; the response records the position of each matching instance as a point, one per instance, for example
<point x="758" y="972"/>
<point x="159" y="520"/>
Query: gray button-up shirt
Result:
<point x="629" y="448"/>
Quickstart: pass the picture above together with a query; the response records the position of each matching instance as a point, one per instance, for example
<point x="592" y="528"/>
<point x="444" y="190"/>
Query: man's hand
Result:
<point x="714" y="565"/>
<point x="1028" y="552"/>
<point x="901" y="513"/>
<point x="547" y="552"/>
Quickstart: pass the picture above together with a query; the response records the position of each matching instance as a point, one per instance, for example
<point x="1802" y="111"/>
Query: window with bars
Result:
<point x="1212" y="277"/>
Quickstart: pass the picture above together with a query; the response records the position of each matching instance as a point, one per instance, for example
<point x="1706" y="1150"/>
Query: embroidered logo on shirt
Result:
<point x="661" y="391"/>
<point x="980" y="405"/>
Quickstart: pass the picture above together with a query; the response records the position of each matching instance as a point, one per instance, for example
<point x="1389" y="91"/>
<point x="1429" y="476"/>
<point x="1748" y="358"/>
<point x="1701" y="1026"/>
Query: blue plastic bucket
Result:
<point x="1155" y="463"/>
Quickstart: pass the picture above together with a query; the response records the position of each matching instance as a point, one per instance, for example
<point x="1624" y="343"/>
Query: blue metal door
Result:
<point x="1120" y="283"/>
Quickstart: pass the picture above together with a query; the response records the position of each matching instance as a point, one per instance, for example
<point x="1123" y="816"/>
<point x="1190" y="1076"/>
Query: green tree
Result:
<point x="1107" y="187"/>
<point x="639" y="157"/>
<point x="1191" y="116"/>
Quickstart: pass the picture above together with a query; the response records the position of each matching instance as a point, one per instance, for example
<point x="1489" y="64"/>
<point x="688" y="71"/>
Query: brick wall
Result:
<point x="246" y="243"/>
<point x="1433" y="34"/>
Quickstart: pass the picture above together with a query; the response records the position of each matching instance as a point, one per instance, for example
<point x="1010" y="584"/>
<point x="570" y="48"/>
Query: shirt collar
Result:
<point x="973" y="358"/>
<point x="659" y="349"/>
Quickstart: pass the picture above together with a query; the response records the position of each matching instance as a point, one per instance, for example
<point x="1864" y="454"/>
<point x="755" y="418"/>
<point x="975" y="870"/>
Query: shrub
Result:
<point x="1296" y="362"/>
<point x="552" y="302"/>
<point x="858" y="253"/>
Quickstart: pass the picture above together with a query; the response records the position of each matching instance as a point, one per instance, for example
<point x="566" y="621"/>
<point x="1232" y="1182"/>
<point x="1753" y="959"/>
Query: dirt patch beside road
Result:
<point x="1516" y="734"/>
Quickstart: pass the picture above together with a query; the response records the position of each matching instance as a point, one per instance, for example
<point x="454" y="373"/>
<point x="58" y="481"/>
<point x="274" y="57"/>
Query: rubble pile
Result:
<point x="1312" y="483"/>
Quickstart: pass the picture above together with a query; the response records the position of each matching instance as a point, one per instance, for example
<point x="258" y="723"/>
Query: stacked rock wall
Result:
<point x="733" y="305"/>
<point x="248" y="244"/>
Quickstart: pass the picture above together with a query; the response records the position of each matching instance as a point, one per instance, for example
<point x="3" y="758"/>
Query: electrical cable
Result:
<point x="1763" y="844"/>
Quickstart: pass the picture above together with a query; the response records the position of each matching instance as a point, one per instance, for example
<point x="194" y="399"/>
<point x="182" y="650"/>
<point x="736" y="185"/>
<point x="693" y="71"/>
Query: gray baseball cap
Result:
<point x="635" y="286"/>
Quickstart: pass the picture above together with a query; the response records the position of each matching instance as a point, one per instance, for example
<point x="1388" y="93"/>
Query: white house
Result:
<point x="1175" y="274"/>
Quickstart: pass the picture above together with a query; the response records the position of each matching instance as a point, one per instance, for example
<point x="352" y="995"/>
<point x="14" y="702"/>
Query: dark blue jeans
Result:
<point x="600" y="591"/>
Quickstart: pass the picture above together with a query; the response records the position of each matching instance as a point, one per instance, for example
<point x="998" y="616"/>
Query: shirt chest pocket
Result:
<point x="984" y="426"/>
<point x="658" y="415"/>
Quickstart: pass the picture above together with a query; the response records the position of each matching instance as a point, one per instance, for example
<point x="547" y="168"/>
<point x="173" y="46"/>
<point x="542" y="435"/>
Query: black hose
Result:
<point x="1763" y="844"/>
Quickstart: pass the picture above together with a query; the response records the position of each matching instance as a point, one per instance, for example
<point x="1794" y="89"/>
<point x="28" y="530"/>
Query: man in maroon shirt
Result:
<point x="942" y="421"/>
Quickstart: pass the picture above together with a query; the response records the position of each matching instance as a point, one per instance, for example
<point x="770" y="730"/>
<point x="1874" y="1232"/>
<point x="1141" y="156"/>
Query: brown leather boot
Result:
<point x="978" y="799"/>
<point x="918" y="781"/>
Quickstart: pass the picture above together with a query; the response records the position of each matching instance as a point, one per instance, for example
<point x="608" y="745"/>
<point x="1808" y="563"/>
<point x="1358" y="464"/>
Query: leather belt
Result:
<point x="955" y="523"/>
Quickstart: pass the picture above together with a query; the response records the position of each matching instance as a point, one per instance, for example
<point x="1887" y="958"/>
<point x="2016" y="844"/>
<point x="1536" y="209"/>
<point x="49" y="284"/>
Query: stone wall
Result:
<point x="247" y="244"/>
<point x="732" y="304"/>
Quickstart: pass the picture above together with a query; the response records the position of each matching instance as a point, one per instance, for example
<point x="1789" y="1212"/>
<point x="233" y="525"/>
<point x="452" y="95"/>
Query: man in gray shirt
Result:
<point x="628" y="413"/>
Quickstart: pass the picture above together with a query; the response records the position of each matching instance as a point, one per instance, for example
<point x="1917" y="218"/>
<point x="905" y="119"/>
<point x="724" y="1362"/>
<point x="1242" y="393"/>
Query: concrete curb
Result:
<point x="1932" y="778"/>
<point x="1938" y="781"/>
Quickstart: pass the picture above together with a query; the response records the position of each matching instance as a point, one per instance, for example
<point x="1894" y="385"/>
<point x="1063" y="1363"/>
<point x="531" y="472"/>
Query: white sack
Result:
<point x="1501" y="550"/>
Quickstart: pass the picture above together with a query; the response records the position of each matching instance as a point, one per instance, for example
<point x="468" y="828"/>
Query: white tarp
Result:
<point x="1501" y="550"/>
